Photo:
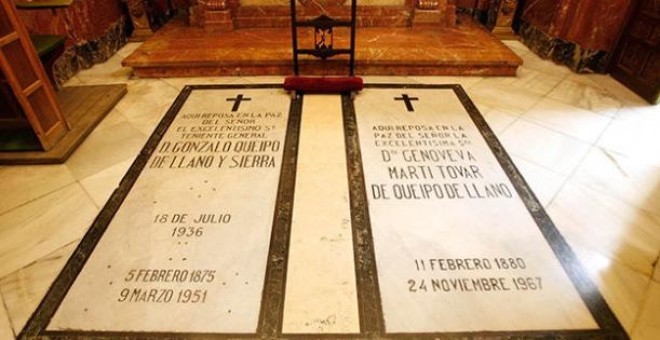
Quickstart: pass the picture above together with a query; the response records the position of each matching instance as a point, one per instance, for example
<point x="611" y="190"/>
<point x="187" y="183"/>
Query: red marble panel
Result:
<point x="540" y="13"/>
<point x="593" y="24"/>
<point x="464" y="50"/>
<point x="279" y="16"/>
<point x="83" y="21"/>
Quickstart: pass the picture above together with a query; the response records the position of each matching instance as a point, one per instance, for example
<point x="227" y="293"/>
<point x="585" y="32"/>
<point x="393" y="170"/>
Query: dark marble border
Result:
<point x="272" y="303"/>
<point x="370" y="309"/>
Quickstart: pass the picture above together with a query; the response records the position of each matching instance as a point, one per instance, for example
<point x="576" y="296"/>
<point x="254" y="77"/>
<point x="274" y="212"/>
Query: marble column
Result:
<point x="138" y="13"/>
<point x="500" y="17"/>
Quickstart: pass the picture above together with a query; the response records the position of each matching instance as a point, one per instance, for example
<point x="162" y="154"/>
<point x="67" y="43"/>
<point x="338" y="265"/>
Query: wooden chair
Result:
<point x="323" y="48"/>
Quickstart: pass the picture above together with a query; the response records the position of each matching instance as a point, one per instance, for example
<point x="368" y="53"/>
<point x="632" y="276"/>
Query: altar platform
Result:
<point x="179" y="50"/>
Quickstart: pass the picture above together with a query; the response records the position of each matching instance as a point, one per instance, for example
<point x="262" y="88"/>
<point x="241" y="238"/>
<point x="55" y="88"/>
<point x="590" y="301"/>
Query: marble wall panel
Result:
<point x="578" y="33"/>
<point x="540" y="13"/>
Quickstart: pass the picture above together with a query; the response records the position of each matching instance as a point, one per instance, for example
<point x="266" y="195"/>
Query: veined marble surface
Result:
<point x="321" y="237"/>
<point x="449" y="228"/>
<point x="209" y="188"/>
<point x="620" y="166"/>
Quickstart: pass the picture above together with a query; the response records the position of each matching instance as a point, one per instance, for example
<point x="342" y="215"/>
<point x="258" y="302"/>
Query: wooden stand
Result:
<point x="29" y="103"/>
<point x="29" y="84"/>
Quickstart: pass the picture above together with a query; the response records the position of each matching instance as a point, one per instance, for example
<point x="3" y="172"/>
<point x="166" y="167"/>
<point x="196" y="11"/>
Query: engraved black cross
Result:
<point x="237" y="102"/>
<point x="408" y="101"/>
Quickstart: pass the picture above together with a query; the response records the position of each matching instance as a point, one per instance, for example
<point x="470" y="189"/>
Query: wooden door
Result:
<point x="25" y="75"/>
<point x="636" y="60"/>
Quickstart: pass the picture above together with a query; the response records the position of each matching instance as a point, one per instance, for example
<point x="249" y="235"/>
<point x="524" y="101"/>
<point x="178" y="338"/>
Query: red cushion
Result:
<point x="323" y="84"/>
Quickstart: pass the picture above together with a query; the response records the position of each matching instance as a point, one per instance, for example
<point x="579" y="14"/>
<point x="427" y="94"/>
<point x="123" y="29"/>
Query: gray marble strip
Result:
<point x="370" y="308"/>
<point x="272" y="304"/>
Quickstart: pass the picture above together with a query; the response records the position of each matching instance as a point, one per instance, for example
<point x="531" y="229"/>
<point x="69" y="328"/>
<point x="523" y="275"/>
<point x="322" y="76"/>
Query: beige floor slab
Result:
<point x="618" y="176"/>
<point x="24" y="289"/>
<point x="22" y="184"/>
<point x="555" y="151"/>
<point x="321" y="289"/>
<point x="622" y="287"/>
<point x="6" y="331"/>
<point x="64" y="216"/>
<point x="608" y="226"/>
<point x="648" y="324"/>
<point x="187" y="250"/>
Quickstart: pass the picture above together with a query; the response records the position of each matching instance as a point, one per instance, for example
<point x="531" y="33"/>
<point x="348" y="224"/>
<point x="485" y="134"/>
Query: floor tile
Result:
<point x="42" y="226"/>
<point x="101" y="185"/>
<point x="105" y="148"/>
<point x="517" y="47"/>
<point x="24" y="289"/>
<point x="503" y="97"/>
<point x="129" y="48"/>
<point x="620" y="177"/>
<point x="648" y="323"/>
<point x="544" y="147"/>
<point x="113" y="118"/>
<point x="578" y="123"/>
<point x="634" y="133"/>
<point x="527" y="79"/>
<point x="6" y="332"/>
<point x="586" y="96"/>
<point x="146" y="103"/>
<point x="21" y="184"/>
<point x="465" y="82"/>
<point x="498" y="120"/>
<point x="609" y="85"/>
<point x="622" y="287"/>
<point x="73" y="81"/>
<point x="180" y="83"/>
<point x="544" y="183"/>
<point x="607" y="226"/>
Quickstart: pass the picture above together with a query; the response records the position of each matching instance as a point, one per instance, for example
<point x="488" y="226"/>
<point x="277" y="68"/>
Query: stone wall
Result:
<point x="580" y="34"/>
<point x="95" y="30"/>
<point x="230" y="14"/>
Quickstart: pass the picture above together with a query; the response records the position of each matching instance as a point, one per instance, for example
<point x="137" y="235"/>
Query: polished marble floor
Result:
<point x="587" y="146"/>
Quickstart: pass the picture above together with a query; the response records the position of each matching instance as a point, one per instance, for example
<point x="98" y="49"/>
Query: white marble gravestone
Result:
<point x="187" y="251"/>
<point x="456" y="248"/>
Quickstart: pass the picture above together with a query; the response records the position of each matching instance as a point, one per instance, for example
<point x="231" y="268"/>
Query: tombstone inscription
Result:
<point x="187" y="251"/>
<point x="456" y="248"/>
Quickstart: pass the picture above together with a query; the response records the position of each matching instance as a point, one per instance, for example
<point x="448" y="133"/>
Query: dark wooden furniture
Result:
<point x="636" y="60"/>
<point x="323" y="37"/>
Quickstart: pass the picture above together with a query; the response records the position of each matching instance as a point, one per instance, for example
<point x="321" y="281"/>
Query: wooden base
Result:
<point x="84" y="107"/>
<point x="178" y="50"/>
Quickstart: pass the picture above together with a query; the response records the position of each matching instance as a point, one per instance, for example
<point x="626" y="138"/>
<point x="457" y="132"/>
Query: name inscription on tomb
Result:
<point x="430" y="162"/>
